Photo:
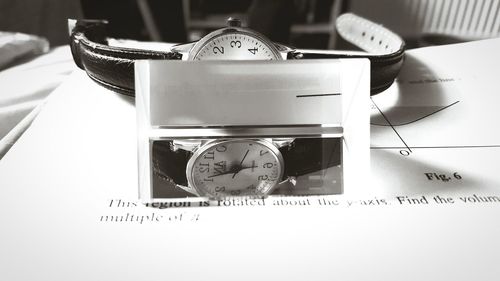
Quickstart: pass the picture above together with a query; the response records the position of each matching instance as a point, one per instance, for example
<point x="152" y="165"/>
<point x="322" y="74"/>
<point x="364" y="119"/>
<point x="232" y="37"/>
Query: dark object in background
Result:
<point x="125" y="19"/>
<point x="207" y="7"/>
<point x="46" y="18"/>
<point x="285" y="21"/>
<point x="272" y="18"/>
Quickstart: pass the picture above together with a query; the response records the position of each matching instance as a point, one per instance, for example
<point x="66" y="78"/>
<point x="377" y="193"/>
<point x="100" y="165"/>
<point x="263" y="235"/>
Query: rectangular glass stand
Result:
<point x="251" y="128"/>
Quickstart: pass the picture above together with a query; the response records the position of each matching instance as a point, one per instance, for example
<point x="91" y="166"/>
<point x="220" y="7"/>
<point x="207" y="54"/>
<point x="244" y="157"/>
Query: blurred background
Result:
<point x="300" y="23"/>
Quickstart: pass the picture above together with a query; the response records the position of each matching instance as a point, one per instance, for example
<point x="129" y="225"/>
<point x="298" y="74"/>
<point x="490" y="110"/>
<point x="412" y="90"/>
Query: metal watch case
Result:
<point x="197" y="147"/>
<point x="190" y="50"/>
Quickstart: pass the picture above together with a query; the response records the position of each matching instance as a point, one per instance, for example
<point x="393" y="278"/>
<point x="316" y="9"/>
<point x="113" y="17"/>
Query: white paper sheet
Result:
<point x="24" y="88"/>
<point x="444" y="116"/>
<point x="73" y="173"/>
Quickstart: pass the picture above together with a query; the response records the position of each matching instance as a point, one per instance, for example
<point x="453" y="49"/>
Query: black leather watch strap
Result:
<point x="110" y="66"/>
<point x="113" y="67"/>
<point x="303" y="156"/>
<point x="307" y="155"/>
<point x="384" y="69"/>
<point x="170" y="165"/>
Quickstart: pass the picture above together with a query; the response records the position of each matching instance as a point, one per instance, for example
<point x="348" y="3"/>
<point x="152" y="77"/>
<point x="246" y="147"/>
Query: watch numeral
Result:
<point x="235" y="192"/>
<point x="236" y="44"/>
<point x="203" y="169"/>
<point x="220" y="188"/>
<point x="253" y="51"/>
<point x="221" y="148"/>
<point x="267" y="165"/>
<point x="217" y="50"/>
<point x="262" y="152"/>
<point x="263" y="178"/>
<point x="209" y="155"/>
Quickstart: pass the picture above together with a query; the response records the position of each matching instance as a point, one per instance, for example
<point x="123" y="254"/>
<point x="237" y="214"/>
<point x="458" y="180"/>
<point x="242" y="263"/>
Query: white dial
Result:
<point x="236" y="168"/>
<point x="236" y="46"/>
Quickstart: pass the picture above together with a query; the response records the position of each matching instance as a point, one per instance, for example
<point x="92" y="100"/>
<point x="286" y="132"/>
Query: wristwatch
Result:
<point x="112" y="66"/>
<point x="240" y="167"/>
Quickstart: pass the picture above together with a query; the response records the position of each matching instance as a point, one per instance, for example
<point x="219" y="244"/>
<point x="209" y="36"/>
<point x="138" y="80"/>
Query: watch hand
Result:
<point x="225" y="173"/>
<point x="249" y="167"/>
<point x="245" y="156"/>
<point x="241" y="163"/>
<point x="233" y="170"/>
<point x="243" y="168"/>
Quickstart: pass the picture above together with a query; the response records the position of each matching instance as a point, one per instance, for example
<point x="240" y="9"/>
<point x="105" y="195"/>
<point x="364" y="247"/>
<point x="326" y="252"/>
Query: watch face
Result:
<point x="234" y="44"/>
<point x="235" y="168"/>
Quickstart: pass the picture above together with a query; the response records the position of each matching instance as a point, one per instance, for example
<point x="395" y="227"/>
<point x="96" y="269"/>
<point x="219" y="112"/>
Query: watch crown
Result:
<point x="233" y="22"/>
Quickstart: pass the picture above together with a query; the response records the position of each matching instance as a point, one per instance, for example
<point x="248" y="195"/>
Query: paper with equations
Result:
<point x="429" y="210"/>
<point x="437" y="131"/>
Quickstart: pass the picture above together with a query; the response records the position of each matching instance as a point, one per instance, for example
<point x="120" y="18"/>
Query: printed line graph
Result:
<point x="440" y="118"/>
<point x="413" y="121"/>
<point x="393" y="128"/>
<point x="405" y="148"/>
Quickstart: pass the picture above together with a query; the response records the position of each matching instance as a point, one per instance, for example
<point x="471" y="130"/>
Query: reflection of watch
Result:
<point x="242" y="167"/>
<point x="112" y="66"/>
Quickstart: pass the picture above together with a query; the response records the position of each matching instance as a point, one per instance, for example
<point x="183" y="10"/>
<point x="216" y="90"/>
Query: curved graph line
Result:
<point x="418" y="119"/>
